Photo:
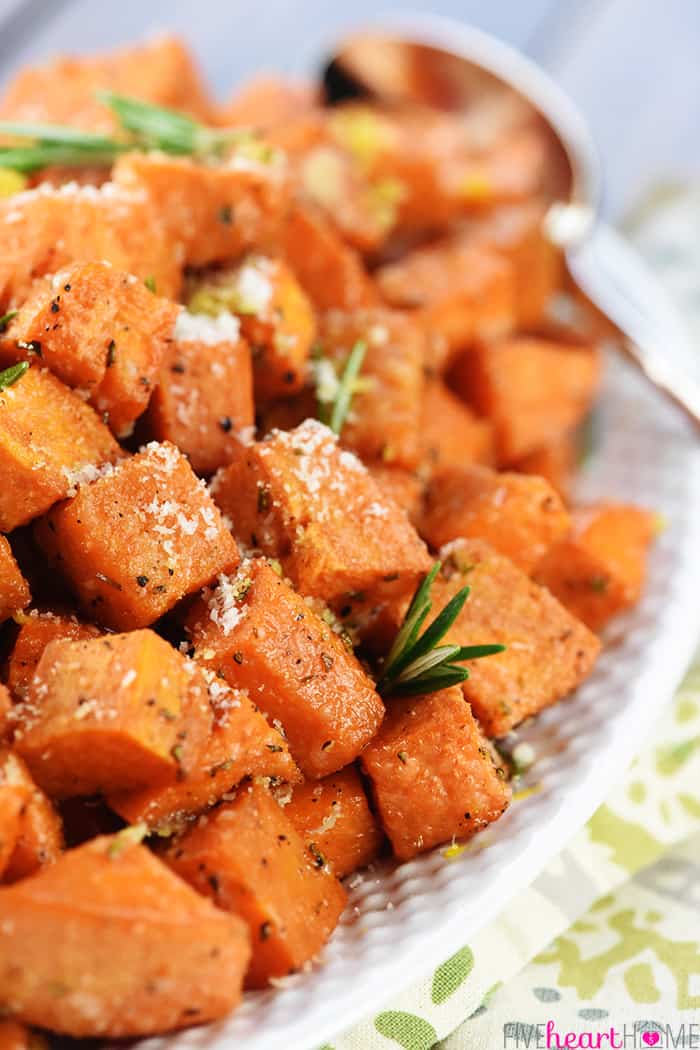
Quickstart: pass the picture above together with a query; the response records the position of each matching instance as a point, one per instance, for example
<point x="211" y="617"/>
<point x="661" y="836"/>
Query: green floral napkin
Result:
<point x="607" y="937"/>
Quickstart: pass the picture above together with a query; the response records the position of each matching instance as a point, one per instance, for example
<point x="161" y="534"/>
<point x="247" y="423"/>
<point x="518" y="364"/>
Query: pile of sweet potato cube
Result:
<point x="199" y="580"/>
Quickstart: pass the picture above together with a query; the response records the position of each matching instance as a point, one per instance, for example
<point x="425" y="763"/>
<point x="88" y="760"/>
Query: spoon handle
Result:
<point x="617" y="280"/>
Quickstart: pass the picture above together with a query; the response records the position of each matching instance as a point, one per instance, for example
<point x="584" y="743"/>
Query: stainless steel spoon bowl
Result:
<point x="427" y="59"/>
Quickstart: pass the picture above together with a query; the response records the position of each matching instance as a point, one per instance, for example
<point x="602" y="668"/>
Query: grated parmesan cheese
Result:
<point x="200" y="328"/>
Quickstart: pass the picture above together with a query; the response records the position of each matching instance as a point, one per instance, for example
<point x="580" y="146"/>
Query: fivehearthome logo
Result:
<point x="638" y="1036"/>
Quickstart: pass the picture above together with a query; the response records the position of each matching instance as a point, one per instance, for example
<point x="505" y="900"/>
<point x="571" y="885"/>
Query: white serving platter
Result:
<point x="403" y="921"/>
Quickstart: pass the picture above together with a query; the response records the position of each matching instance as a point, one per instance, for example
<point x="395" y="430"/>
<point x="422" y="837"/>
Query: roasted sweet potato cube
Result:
<point x="557" y="462"/>
<point x="548" y="651"/>
<point x="37" y="629"/>
<point x="204" y="394"/>
<point x="402" y="486"/>
<point x="410" y="152"/>
<point x="250" y="860"/>
<point x="64" y="90"/>
<point x="334" y="820"/>
<point x="450" y="433"/>
<point x="533" y="391"/>
<point x="266" y="101"/>
<point x="517" y="232"/>
<point x="135" y="541"/>
<point x="112" y="713"/>
<point x="14" y="589"/>
<point x="275" y="314"/>
<point x="16" y="1036"/>
<point x="330" y="271"/>
<point x="363" y="209"/>
<point x="302" y="500"/>
<point x="599" y="569"/>
<point x="69" y="320"/>
<point x="461" y="293"/>
<point x="521" y="517"/>
<point x="135" y="952"/>
<point x="143" y="329"/>
<point x="48" y="228"/>
<point x="241" y="744"/>
<point x="258" y="633"/>
<point x="433" y="775"/>
<point x="99" y="330"/>
<point x="40" y="834"/>
<point x="441" y="167"/>
<point x="15" y="793"/>
<point x="213" y="212"/>
<point x="6" y="715"/>
<point x="48" y="438"/>
<point x="384" y="419"/>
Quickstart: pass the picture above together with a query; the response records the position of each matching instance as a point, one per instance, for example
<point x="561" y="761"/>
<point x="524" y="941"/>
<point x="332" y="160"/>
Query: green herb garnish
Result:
<point x="6" y="318"/>
<point x="416" y="663"/>
<point x="144" y="127"/>
<point x="334" y="399"/>
<point x="12" y="374"/>
<point x="130" y="836"/>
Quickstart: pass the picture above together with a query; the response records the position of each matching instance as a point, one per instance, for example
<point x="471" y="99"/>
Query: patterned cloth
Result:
<point x="602" y="938"/>
<point x="604" y="947"/>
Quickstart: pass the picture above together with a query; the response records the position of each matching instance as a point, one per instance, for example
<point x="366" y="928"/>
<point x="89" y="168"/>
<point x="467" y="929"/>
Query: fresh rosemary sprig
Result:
<point x="416" y="663"/>
<point x="12" y="374"/>
<point x="6" y="318"/>
<point x="154" y="127"/>
<point x="334" y="398"/>
<point x="145" y="127"/>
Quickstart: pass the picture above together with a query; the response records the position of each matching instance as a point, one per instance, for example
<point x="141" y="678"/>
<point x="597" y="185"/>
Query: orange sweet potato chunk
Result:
<point x="533" y="391"/>
<point x="516" y="231"/>
<point x="6" y="714"/>
<point x="63" y="90"/>
<point x="313" y="506"/>
<point x="37" y="629"/>
<point x="450" y="433"/>
<point x="48" y="436"/>
<point x="48" y="228"/>
<point x="14" y="589"/>
<point x="135" y="541"/>
<point x="259" y="634"/>
<point x="16" y="1036"/>
<point x="461" y="293"/>
<point x="548" y="651"/>
<point x="600" y="568"/>
<point x="275" y="315"/>
<point x="402" y="486"/>
<point x="134" y="950"/>
<point x="241" y="744"/>
<point x="433" y="775"/>
<point x="99" y="330"/>
<point x="334" y="820"/>
<point x="437" y="167"/>
<point x="120" y="712"/>
<point x="383" y="423"/>
<point x="204" y="395"/>
<point x="556" y="461"/>
<point x="266" y="101"/>
<point x="521" y="517"/>
<point x="363" y="209"/>
<point x="40" y="834"/>
<point x="15" y="793"/>
<point x="68" y="320"/>
<point x="213" y="212"/>
<point x="250" y="860"/>
<point x="330" y="271"/>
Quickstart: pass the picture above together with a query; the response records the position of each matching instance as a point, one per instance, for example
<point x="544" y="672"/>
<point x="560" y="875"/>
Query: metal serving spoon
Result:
<point x="427" y="59"/>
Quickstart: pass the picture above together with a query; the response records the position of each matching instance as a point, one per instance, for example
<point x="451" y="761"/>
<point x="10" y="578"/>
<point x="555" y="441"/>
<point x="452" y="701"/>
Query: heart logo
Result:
<point x="650" y="1038"/>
